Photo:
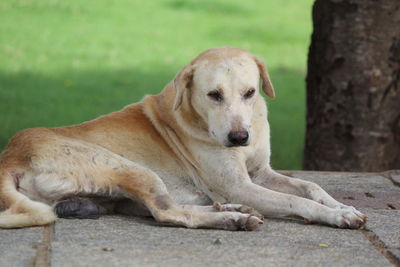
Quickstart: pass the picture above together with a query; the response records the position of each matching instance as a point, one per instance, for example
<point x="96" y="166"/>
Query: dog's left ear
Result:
<point x="266" y="81"/>
<point x="182" y="81"/>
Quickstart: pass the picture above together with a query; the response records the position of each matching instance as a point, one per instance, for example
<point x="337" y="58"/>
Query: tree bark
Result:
<point x="353" y="86"/>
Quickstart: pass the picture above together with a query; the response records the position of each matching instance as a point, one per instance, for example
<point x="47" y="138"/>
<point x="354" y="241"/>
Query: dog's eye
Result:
<point x="215" y="95"/>
<point x="249" y="93"/>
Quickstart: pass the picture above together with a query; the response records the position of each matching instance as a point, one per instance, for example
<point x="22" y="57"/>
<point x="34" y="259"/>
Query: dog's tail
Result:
<point x="19" y="210"/>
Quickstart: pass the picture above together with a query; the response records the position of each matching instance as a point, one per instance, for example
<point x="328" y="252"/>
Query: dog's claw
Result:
<point x="217" y="206"/>
<point x="348" y="219"/>
<point x="251" y="223"/>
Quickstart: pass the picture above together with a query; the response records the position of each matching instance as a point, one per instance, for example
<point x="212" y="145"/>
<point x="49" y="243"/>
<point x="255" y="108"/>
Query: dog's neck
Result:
<point x="181" y="128"/>
<point x="185" y="120"/>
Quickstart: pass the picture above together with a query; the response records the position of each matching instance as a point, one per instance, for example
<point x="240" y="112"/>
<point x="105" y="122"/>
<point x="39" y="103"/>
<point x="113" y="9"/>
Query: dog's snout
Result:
<point x="238" y="138"/>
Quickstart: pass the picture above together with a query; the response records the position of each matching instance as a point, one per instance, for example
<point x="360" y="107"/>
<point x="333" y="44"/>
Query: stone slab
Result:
<point x="133" y="241"/>
<point x="357" y="182"/>
<point x="396" y="253"/>
<point x="18" y="246"/>
<point x="395" y="175"/>
<point x="386" y="225"/>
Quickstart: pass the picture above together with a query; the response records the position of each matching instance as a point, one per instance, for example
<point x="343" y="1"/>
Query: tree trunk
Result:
<point x="353" y="86"/>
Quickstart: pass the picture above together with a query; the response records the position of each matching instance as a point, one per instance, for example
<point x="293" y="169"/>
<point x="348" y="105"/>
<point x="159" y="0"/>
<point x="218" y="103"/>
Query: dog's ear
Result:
<point x="266" y="81"/>
<point x="182" y="81"/>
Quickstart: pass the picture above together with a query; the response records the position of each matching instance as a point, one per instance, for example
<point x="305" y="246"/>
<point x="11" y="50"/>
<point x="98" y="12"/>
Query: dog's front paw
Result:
<point x="352" y="209"/>
<point x="348" y="217"/>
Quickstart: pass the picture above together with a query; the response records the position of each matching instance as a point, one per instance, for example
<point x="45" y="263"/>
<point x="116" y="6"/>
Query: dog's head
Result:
<point x="223" y="85"/>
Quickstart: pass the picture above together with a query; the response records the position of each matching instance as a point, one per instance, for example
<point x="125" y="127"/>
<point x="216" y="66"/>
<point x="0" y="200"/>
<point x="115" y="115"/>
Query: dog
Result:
<point x="204" y="139"/>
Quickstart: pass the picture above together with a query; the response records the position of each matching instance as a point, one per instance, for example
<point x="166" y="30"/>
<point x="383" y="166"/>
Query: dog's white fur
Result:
<point x="168" y="149"/>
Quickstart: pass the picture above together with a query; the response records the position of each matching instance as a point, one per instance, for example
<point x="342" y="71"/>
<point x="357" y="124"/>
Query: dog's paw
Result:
<point x="239" y="221"/>
<point x="238" y="208"/>
<point x="352" y="209"/>
<point x="348" y="217"/>
<point x="77" y="209"/>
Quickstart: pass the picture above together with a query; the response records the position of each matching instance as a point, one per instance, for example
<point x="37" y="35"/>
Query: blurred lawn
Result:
<point x="63" y="62"/>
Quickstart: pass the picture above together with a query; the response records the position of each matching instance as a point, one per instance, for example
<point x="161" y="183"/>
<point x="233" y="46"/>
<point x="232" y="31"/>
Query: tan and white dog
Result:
<point x="204" y="139"/>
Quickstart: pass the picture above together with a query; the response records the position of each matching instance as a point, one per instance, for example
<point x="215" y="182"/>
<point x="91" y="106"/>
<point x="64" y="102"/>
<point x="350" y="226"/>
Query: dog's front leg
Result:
<point x="272" y="203"/>
<point x="270" y="179"/>
<point x="273" y="180"/>
<point x="234" y="184"/>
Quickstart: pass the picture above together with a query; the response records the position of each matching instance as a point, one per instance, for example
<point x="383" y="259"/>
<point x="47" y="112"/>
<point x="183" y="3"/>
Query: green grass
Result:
<point x="63" y="62"/>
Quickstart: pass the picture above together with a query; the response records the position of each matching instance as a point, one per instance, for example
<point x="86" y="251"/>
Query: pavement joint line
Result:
<point x="329" y="172"/>
<point x="43" y="251"/>
<point x="381" y="247"/>
<point x="388" y="174"/>
<point x="394" y="182"/>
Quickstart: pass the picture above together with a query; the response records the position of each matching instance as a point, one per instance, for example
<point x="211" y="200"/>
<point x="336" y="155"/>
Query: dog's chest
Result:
<point x="182" y="189"/>
<point x="179" y="184"/>
<point x="185" y="193"/>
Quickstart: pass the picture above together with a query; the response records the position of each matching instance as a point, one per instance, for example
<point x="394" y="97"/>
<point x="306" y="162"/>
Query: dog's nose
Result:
<point x="238" y="138"/>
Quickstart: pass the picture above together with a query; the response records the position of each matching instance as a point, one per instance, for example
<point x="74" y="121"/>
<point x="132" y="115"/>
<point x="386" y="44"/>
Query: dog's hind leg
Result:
<point x="147" y="187"/>
<point x="89" y="208"/>
<point x="20" y="210"/>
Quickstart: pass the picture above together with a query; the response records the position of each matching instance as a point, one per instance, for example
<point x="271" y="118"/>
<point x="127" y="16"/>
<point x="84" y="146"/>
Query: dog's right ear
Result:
<point x="267" y="86"/>
<point x="182" y="81"/>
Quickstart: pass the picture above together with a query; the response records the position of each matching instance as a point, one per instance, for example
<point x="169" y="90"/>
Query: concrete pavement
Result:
<point x="134" y="241"/>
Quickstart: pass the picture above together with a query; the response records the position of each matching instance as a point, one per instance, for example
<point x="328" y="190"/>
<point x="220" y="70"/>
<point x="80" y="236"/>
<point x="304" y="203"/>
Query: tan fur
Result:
<point x="169" y="152"/>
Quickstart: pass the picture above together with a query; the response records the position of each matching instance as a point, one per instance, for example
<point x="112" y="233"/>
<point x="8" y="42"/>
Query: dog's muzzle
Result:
<point x="238" y="138"/>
